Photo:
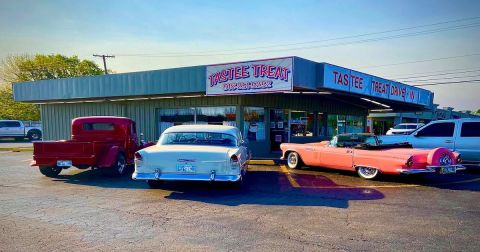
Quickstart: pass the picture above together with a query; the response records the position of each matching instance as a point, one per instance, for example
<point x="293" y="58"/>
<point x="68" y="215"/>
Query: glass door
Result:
<point x="279" y="130"/>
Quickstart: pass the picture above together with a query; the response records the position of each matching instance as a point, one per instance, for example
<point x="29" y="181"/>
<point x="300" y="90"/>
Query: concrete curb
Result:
<point x="15" y="149"/>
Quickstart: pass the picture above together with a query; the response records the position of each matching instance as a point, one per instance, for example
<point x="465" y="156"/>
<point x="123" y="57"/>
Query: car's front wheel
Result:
<point x="50" y="171"/>
<point x="293" y="160"/>
<point x="367" y="172"/>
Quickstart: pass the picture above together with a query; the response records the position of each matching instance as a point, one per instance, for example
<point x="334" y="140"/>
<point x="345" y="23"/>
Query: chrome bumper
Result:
<point x="185" y="177"/>
<point x="430" y="169"/>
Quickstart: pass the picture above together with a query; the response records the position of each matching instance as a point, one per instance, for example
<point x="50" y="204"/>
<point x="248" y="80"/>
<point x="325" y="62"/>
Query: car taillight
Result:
<point x="409" y="162"/>
<point x="459" y="159"/>
<point x="234" y="158"/>
<point x="138" y="156"/>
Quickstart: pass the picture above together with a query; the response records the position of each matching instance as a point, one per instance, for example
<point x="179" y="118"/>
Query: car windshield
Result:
<point x="400" y="126"/>
<point x="198" y="138"/>
<point x="411" y="126"/>
<point x="352" y="140"/>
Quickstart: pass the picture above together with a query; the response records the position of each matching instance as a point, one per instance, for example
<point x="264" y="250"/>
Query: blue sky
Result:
<point x="208" y="27"/>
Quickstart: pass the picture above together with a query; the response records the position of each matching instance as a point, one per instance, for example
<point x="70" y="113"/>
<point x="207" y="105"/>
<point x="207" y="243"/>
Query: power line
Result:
<point x="425" y="60"/>
<point x="166" y="55"/>
<point x="445" y="78"/>
<point x="447" y="83"/>
<point x="326" y="40"/>
<point x="103" y="56"/>
<point x="439" y="73"/>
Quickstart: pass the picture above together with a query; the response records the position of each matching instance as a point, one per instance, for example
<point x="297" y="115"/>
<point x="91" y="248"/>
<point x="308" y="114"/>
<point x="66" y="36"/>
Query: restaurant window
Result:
<point x="301" y="124"/>
<point x="354" y="124"/>
<point x="254" y="123"/>
<point x="216" y="115"/>
<point x="173" y="117"/>
<point x="336" y="124"/>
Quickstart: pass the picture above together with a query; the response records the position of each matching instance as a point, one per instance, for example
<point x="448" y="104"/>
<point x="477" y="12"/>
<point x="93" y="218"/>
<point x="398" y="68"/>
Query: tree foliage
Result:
<point x="21" y="68"/>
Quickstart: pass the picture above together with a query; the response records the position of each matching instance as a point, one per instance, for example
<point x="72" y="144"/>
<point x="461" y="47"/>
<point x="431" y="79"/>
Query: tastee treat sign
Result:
<point x="250" y="77"/>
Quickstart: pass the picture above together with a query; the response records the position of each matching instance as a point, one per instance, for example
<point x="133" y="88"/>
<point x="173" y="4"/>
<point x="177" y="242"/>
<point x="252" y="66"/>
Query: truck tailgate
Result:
<point x="62" y="148"/>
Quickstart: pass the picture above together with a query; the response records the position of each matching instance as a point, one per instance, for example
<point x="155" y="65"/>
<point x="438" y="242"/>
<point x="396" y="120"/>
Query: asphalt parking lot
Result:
<point x="276" y="210"/>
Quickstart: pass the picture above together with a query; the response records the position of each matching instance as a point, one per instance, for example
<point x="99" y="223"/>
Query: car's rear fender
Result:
<point x="110" y="157"/>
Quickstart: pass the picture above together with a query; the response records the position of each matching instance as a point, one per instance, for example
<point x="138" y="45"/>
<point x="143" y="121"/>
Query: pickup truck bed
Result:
<point x="82" y="154"/>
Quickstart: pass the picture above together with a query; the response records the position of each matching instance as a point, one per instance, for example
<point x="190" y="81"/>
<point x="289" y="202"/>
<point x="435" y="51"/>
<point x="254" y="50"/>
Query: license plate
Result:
<point x="447" y="170"/>
<point x="187" y="168"/>
<point x="64" y="163"/>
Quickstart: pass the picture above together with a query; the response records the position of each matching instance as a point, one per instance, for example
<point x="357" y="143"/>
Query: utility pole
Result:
<point x="103" y="56"/>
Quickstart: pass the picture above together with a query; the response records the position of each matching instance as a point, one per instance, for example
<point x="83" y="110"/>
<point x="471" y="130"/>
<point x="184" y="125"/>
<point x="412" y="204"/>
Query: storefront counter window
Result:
<point x="254" y="123"/>
<point x="301" y="123"/>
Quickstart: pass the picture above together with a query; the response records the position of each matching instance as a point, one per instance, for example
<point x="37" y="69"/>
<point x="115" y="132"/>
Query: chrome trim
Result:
<point x="429" y="169"/>
<point x="186" y="177"/>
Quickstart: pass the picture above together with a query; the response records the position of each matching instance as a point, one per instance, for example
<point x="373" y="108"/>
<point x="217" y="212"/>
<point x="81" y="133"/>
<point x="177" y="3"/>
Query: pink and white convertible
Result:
<point x="364" y="154"/>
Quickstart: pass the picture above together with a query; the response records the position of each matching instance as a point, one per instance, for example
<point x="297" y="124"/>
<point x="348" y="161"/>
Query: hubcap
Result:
<point x="34" y="136"/>
<point x="121" y="166"/>
<point x="292" y="159"/>
<point x="368" y="172"/>
<point x="445" y="159"/>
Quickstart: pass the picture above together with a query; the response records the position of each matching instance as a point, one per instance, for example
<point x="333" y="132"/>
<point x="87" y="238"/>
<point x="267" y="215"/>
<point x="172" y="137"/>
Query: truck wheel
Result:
<point x="50" y="171"/>
<point x="34" y="135"/>
<point x="120" y="166"/>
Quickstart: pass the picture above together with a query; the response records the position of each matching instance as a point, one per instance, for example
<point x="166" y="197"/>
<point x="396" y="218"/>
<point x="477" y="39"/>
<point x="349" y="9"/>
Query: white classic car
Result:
<point x="194" y="152"/>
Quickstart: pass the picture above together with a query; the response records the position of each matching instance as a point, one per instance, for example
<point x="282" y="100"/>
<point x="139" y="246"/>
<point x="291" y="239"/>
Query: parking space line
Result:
<point x="292" y="181"/>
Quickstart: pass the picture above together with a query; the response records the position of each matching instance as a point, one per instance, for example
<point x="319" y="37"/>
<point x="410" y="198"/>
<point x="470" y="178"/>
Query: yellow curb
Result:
<point x="261" y="162"/>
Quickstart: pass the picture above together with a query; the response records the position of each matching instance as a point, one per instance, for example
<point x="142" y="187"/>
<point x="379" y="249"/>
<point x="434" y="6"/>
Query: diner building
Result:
<point x="272" y="101"/>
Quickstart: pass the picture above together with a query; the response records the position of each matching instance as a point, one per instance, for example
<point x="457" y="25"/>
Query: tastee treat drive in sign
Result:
<point x="347" y="80"/>
<point x="261" y="76"/>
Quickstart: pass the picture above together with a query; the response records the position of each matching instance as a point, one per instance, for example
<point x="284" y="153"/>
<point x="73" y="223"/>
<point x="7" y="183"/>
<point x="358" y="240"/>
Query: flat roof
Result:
<point x="306" y="76"/>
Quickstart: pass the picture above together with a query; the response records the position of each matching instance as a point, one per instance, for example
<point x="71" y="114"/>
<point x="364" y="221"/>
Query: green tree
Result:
<point x="20" y="68"/>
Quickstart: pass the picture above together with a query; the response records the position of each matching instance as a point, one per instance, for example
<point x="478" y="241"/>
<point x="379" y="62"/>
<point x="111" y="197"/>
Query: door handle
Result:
<point x="448" y="141"/>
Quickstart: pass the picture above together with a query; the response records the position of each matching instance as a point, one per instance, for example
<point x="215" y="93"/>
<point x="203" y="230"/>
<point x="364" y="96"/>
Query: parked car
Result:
<point x="364" y="154"/>
<point x="102" y="142"/>
<point x="404" y="128"/>
<point x="460" y="135"/>
<point x="194" y="152"/>
<point x="18" y="130"/>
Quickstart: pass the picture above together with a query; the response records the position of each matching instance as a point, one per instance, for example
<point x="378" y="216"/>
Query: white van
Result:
<point x="460" y="135"/>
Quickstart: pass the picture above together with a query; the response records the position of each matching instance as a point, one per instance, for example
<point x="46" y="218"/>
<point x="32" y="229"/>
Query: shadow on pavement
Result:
<point x="468" y="180"/>
<point x="271" y="188"/>
<point x="259" y="188"/>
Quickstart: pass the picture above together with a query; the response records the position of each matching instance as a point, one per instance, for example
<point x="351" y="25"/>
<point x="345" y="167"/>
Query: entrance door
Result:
<point x="278" y="128"/>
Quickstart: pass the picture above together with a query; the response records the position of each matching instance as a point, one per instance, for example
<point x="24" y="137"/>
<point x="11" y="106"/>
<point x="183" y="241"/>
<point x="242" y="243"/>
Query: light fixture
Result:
<point x="375" y="102"/>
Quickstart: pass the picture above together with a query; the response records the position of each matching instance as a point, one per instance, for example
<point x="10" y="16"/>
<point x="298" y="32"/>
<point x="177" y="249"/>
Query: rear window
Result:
<point x="98" y="126"/>
<point x="470" y="129"/>
<point x="12" y="124"/>
<point x="198" y="138"/>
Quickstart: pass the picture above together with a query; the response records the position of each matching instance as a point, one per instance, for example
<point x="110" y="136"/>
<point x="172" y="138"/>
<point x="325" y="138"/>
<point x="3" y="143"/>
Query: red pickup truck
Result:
<point x="104" y="142"/>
